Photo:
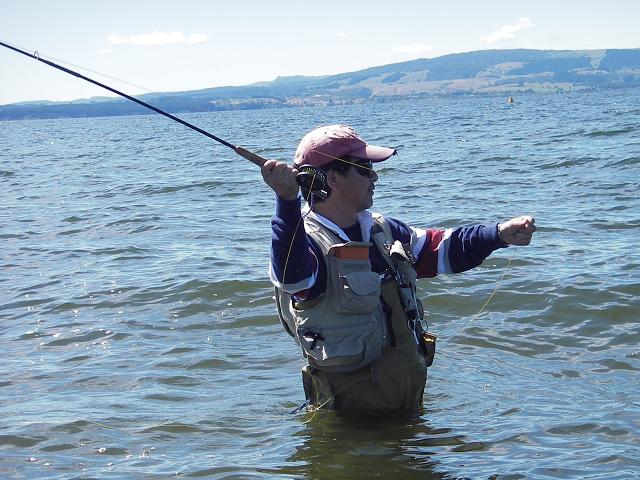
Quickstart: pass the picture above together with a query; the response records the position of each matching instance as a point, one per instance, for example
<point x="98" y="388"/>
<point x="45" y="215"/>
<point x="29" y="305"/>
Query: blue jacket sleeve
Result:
<point x="448" y="251"/>
<point x="469" y="246"/>
<point x="293" y="260"/>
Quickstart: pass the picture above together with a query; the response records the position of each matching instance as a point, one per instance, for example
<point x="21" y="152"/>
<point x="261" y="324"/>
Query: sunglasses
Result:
<point x="363" y="167"/>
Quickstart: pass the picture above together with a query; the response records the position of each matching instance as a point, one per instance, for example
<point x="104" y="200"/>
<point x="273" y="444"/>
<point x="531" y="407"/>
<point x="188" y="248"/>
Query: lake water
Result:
<point x="140" y="339"/>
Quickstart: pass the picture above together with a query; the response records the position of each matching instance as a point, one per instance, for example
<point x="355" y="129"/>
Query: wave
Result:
<point x="154" y="190"/>
<point x="625" y="162"/>
<point x="611" y="133"/>
<point x="617" y="225"/>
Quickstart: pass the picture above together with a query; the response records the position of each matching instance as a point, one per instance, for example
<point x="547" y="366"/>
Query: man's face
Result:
<point x="359" y="184"/>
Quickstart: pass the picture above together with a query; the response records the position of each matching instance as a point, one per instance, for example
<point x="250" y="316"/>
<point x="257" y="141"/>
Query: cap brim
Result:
<point x="373" y="153"/>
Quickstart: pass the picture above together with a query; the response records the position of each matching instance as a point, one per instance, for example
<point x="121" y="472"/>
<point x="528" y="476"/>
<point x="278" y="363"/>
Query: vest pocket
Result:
<point x="341" y="348"/>
<point x="357" y="291"/>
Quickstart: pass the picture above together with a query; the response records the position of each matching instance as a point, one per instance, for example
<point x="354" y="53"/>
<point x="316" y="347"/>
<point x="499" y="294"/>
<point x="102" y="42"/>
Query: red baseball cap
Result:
<point x="326" y="144"/>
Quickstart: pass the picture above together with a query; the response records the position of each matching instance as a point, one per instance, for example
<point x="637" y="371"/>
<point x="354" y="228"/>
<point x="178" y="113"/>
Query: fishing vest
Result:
<point x="362" y="338"/>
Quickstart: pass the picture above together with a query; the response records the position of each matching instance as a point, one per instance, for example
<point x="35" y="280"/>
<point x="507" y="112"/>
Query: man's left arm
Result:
<point x="457" y="250"/>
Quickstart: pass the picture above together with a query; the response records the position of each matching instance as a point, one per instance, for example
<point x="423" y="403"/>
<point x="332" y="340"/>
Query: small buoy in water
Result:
<point x="510" y="100"/>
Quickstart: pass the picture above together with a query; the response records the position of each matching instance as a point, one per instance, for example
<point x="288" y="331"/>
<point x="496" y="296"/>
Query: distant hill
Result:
<point x="486" y="71"/>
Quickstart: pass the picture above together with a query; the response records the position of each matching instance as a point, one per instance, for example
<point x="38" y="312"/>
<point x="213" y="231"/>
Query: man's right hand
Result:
<point x="281" y="178"/>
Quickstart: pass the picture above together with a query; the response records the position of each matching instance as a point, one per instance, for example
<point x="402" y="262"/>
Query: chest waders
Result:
<point x="363" y="339"/>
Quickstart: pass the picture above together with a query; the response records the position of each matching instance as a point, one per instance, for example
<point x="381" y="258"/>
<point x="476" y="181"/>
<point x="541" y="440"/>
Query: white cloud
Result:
<point x="508" y="31"/>
<point x="115" y="39"/>
<point x="343" y="34"/>
<point x="158" y="38"/>
<point x="413" y="48"/>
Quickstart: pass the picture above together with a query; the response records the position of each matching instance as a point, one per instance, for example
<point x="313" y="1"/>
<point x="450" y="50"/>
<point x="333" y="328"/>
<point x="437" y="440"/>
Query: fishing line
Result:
<point x="252" y="157"/>
<point x="110" y="77"/>
<point x="295" y="232"/>
<point x="504" y="272"/>
<point x="80" y="67"/>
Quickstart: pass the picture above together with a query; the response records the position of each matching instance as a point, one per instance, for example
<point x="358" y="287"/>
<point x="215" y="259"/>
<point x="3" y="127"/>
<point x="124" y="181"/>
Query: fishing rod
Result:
<point x="243" y="152"/>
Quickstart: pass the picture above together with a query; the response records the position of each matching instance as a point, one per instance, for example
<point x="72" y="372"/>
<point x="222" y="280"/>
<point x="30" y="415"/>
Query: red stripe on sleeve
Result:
<point x="427" y="264"/>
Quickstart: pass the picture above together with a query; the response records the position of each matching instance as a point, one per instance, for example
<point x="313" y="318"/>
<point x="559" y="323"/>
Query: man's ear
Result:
<point x="332" y="179"/>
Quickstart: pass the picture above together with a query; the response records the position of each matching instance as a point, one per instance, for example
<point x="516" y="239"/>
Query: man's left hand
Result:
<point x="517" y="231"/>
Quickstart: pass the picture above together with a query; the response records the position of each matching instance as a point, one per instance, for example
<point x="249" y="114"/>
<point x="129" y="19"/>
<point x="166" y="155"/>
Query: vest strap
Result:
<point x="396" y="252"/>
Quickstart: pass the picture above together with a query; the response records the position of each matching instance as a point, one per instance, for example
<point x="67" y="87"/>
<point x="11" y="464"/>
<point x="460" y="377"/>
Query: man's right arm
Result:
<point x="294" y="264"/>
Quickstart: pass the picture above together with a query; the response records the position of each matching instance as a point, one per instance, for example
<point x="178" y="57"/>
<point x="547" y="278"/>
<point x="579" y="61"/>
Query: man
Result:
<point x="345" y="278"/>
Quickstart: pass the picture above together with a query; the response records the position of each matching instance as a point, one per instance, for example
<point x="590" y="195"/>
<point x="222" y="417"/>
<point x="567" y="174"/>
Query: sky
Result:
<point x="143" y="46"/>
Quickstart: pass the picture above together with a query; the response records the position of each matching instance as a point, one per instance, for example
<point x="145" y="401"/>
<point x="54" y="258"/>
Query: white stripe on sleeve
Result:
<point x="443" y="253"/>
<point x="292" y="288"/>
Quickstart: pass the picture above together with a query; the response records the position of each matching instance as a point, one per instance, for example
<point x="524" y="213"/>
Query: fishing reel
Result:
<point x="313" y="180"/>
